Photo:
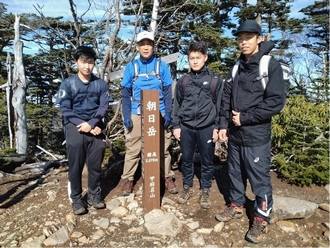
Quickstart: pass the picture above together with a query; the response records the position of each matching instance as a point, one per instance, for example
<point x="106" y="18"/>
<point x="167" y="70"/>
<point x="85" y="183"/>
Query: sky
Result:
<point x="52" y="8"/>
<point x="55" y="8"/>
<point x="61" y="7"/>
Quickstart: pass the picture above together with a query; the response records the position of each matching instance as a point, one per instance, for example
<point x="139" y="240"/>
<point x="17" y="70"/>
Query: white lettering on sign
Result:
<point x="152" y="187"/>
<point x="151" y="154"/>
<point x="151" y="160"/>
<point x="151" y="118"/>
<point x="151" y="106"/>
<point x="152" y="131"/>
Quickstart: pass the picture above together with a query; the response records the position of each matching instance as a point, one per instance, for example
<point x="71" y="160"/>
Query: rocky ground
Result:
<point x="35" y="206"/>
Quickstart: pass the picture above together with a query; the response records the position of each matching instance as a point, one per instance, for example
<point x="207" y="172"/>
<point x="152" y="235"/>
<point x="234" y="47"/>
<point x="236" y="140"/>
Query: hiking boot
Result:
<point x="205" y="198"/>
<point x="259" y="227"/>
<point x="127" y="187"/>
<point x="95" y="201"/>
<point x="185" y="194"/>
<point x="79" y="208"/>
<point x="170" y="186"/>
<point x="232" y="212"/>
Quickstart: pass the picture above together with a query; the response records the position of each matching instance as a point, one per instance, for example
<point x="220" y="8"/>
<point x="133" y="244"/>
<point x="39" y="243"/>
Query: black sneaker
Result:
<point x="79" y="208"/>
<point x="95" y="201"/>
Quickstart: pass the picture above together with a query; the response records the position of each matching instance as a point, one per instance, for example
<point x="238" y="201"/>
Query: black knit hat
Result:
<point x="249" y="26"/>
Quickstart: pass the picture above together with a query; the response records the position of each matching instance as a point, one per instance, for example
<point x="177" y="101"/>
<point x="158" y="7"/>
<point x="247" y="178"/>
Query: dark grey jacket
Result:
<point x="193" y="105"/>
<point x="246" y="95"/>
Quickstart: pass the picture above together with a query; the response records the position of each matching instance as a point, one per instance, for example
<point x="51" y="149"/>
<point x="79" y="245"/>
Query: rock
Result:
<point x="193" y="225"/>
<point x="286" y="226"/>
<point x="113" y="203"/>
<point x="327" y="234"/>
<point x="76" y="235"/>
<point x="325" y="206"/>
<point x="167" y="224"/>
<point x="51" y="195"/>
<point x="327" y="187"/>
<point x="103" y="223"/>
<point x="57" y="238"/>
<point x="33" y="242"/>
<point x="197" y="240"/>
<point x="139" y="229"/>
<point x="98" y="234"/>
<point x="133" y="205"/>
<point x="285" y="208"/>
<point x="83" y="240"/>
<point x="130" y="198"/>
<point x="327" y="225"/>
<point x="119" y="212"/>
<point x="115" y="220"/>
<point x="204" y="230"/>
<point x="218" y="227"/>
<point x="155" y="213"/>
<point x="166" y="200"/>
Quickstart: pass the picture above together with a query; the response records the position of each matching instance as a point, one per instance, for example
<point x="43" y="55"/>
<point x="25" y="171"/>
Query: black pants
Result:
<point x="202" y="139"/>
<point x="251" y="163"/>
<point x="84" y="148"/>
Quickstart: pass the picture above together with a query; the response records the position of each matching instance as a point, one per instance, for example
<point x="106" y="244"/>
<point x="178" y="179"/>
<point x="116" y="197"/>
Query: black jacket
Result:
<point x="245" y="94"/>
<point x="193" y="105"/>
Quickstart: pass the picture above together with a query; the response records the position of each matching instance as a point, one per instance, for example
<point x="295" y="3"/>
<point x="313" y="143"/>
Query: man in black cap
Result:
<point x="246" y="111"/>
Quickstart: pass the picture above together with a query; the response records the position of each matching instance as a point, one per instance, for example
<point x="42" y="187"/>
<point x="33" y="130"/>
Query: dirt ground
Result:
<point x="25" y="208"/>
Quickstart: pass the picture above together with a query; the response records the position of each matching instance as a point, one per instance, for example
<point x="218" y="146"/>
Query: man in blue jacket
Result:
<point x="84" y="100"/>
<point x="245" y="120"/>
<point x="145" y="73"/>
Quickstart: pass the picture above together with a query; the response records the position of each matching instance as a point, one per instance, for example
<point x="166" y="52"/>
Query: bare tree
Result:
<point x="9" y="95"/>
<point x="19" y="93"/>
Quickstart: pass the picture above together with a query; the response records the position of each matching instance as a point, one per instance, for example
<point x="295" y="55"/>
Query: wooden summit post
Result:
<point x="151" y="132"/>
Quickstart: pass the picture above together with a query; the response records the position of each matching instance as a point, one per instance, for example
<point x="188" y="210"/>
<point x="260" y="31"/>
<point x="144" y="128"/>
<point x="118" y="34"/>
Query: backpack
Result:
<point x="214" y="82"/>
<point x="154" y="73"/>
<point x="263" y="70"/>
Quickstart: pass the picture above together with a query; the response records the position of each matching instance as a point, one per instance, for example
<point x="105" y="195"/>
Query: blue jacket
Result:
<point x="246" y="95"/>
<point x="83" y="102"/>
<point x="132" y="103"/>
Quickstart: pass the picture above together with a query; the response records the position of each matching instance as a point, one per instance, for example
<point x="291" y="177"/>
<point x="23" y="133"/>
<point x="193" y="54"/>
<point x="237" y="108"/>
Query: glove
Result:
<point x="167" y="119"/>
<point x="128" y="122"/>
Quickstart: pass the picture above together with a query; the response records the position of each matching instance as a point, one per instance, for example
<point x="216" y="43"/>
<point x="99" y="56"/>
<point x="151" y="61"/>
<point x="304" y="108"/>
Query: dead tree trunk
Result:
<point x="154" y="16"/>
<point x="9" y="95"/>
<point x="19" y="94"/>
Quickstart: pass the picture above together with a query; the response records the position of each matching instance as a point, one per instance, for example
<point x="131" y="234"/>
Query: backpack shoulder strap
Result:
<point x="263" y="70"/>
<point x="185" y="81"/>
<point x="234" y="70"/>
<point x="214" y="82"/>
<point x="157" y="69"/>
<point x="136" y="69"/>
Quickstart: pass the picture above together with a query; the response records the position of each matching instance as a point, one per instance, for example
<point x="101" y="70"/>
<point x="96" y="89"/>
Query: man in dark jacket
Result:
<point x="246" y="111"/>
<point x="84" y="101"/>
<point x="195" y="122"/>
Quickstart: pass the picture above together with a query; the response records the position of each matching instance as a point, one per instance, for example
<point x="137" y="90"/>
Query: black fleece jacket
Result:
<point x="246" y="95"/>
<point x="193" y="105"/>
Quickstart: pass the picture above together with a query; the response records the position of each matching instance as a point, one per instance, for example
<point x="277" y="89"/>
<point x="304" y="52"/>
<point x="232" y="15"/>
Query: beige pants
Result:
<point x="133" y="151"/>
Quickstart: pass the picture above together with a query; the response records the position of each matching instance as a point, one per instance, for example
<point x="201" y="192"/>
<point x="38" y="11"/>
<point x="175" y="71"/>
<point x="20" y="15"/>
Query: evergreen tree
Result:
<point x="317" y="30"/>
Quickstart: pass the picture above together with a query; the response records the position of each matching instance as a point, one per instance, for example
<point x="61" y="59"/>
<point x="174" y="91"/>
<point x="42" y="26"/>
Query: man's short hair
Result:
<point x="84" y="52"/>
<point x="197" y="46"/>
